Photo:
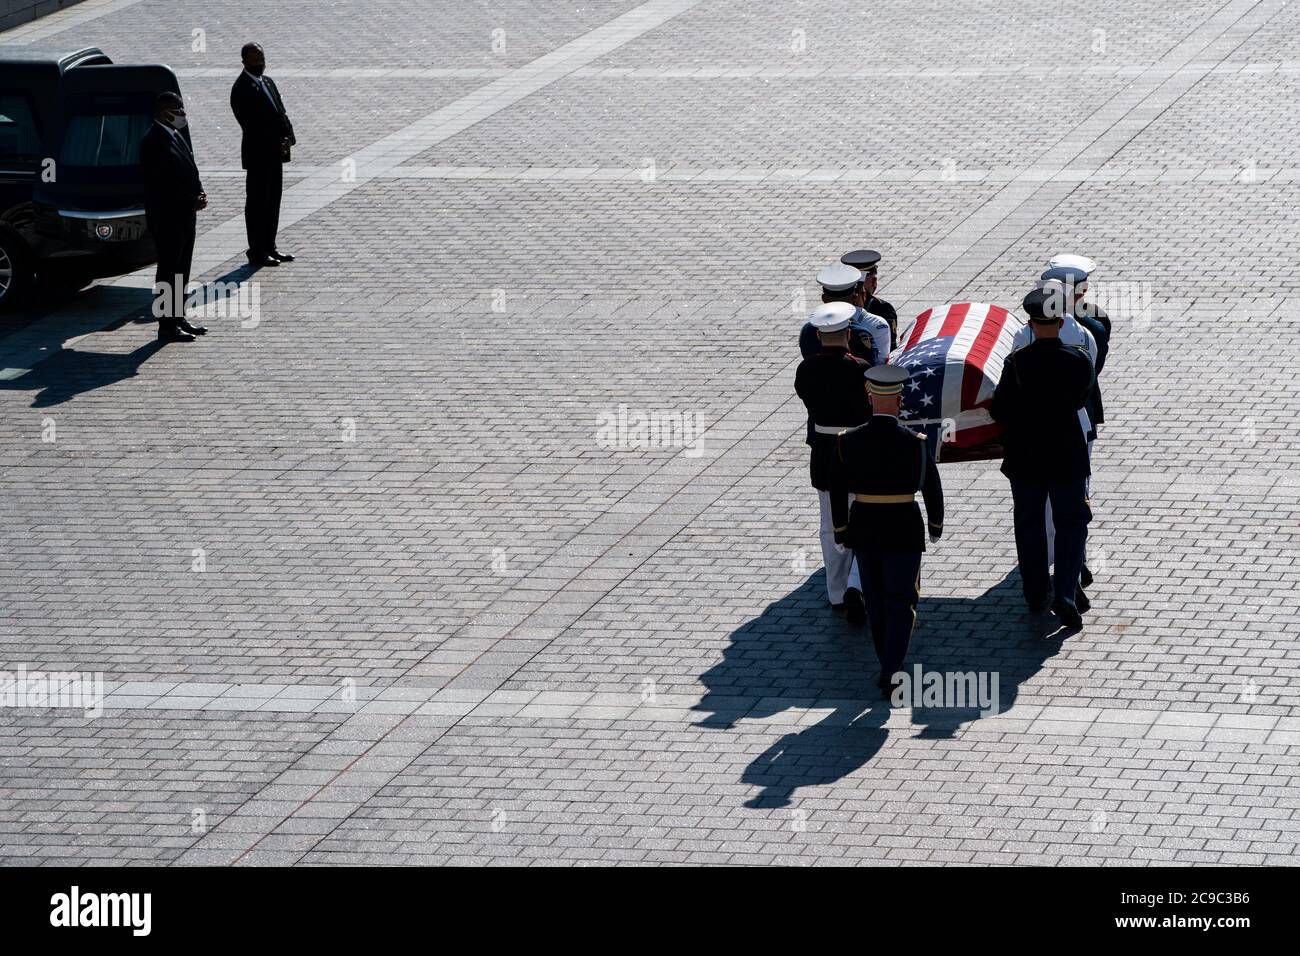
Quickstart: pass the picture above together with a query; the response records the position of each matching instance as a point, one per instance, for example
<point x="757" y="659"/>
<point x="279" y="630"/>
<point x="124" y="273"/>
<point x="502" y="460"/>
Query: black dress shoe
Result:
<point x="1081" y="601"/>
<point x="174" y="335"/>
<point x="1068" y="614"/>
<point x="1085" y="578"/>
<point x="282" y="256"/>
<point x="194" y="329"/>
<point x="260" y="261"/>
<point x="855" y="611"/>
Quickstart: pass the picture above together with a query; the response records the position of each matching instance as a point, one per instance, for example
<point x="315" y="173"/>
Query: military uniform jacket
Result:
<point x="882" y="458"/>
<point x="886" y="311"/>
<point x="861" y="344"/>
<point x="1038" y="398"/>
<point x="831" y="386"/>
<point x="1095" y="320"/>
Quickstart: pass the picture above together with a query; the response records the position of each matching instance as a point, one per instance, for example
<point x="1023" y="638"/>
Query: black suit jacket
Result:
<point x="1038" y="398"/>
<point x="171" y="179"/>
<point x="885" y="458"/>
<point x="265" y="125"/>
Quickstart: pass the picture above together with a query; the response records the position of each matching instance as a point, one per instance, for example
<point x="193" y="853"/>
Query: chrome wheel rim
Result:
<point x="6" y="272"/>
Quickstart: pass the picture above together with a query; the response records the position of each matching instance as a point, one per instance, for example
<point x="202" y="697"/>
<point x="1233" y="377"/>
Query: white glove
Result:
<point x="841" y="549"/>
<point x="934" y="539"/>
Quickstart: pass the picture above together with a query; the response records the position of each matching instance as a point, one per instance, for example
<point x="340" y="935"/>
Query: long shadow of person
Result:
<point x="68" y="373"/>
<point x="797" y="654"/>
<point x="823" y="753"/>
<point x="992" y="636"/>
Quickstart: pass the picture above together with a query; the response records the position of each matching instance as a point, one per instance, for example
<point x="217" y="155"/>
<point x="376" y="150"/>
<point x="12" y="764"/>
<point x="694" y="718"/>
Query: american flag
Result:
<point x="955" y="354"/>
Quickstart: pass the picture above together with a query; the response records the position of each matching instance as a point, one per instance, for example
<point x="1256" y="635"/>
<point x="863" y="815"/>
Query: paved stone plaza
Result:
<point x="367" y="583"/>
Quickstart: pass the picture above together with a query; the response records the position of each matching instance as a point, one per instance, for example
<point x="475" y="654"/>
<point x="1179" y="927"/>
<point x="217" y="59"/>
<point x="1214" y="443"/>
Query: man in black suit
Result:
<point x="173" y="195"/>
<point x="1045" y="454"/>
<point x="881" y="466"/>
<point x="268" y="136"/>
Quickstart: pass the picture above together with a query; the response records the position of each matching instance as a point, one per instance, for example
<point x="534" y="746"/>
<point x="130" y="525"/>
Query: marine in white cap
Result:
<point x="1071" y="261"/>
<point x="843" y="283"/>
<point x="1082" y="308"/>
<point x="830" y="384"/>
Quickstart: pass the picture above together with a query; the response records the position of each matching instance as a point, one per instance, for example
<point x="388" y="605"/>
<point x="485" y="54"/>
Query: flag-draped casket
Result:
<point x="955" y="354"/>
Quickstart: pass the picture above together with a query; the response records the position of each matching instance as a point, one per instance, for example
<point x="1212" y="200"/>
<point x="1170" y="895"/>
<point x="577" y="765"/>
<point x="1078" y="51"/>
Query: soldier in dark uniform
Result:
<point x="1074" y="281"/>
<point x="1042" y="388"/>
<point x="830" y="384"/>
<point x="1073" y="272"/>
<point x="868" y="334"/>
<point x="868" y="262"/>
<point x="882" y="466"/>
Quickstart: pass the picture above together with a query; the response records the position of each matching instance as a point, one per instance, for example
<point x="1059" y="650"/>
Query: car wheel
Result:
<point x="16" y="277"/>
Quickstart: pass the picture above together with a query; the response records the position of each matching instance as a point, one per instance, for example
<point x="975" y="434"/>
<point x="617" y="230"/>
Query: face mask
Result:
<point x="179" y="122"/>
<point x="257" y="70"/>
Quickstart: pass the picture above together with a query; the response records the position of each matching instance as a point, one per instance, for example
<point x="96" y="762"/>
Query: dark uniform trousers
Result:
<point x="1038" y="397"/>
<point x="262" y="205"/>
<point x="1071" y="513"/>
<point x="883" y="465"/>
<point x="891" y="589"/>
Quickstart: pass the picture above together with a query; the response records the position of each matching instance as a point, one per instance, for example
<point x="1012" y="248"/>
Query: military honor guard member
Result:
<point x="1072" y="333"/>
<point x="1072" y="280"/>
<point x="1094" y="318"/>
<point x="1082" y="308"/>
<point x="882" y="466"/>
<point x="1067" y="276"/>
<point x="868" y="334"/>
<point x="830" y="384"/>
<point x="1043" y="387"/>
<point x="867" y="261"/>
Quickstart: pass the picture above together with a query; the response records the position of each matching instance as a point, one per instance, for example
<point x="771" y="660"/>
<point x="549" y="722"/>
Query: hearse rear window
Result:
<point x="112" y="140"/>
<point x="18" y="140"/>
<point x="105" y="128"/>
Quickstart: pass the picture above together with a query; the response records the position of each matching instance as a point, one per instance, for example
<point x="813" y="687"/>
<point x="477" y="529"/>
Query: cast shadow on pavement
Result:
<point x="70" y="372"/>
<point x="799" y="654"/>
<point x="58" y="373"/>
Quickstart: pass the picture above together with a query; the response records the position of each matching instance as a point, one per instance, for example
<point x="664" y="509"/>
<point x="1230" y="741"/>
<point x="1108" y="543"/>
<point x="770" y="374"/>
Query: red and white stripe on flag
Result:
<point x="982" y="336"/>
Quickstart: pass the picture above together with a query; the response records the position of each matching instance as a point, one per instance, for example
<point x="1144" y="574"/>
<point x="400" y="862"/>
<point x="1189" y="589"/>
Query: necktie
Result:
<point x="267" y="90"/>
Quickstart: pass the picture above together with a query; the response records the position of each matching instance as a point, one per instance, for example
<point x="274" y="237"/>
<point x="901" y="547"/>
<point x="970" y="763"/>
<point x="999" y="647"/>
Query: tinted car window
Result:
<point x="112" y="140"/>
<point x="18" y="139"/>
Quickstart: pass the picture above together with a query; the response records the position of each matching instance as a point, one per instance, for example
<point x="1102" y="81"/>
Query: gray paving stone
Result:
<point x="476" y="635"/>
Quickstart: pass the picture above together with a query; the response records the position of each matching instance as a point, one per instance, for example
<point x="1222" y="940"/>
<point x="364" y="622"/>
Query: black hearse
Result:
<point x="71" y="188"/>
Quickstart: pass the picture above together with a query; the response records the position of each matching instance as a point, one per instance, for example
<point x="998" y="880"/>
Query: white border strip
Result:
<point x="54" y="23"/>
